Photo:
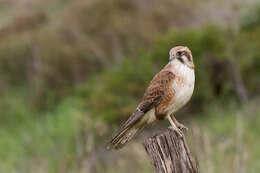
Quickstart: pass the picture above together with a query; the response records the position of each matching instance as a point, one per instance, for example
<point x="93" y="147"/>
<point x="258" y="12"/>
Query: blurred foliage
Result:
<point x="111" y="94"/>
<point x="52" y="74"/>
<point x="226" y="138"/>
<point x="65" y="85"/>
<point x="213" y="51"/>
<point x="252" y="19"/>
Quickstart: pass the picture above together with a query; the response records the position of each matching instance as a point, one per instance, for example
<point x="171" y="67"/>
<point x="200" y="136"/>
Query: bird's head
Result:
<point x="183" y="55"/>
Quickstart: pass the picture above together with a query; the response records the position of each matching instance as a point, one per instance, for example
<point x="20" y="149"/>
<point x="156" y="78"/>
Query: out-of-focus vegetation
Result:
<point x="71" y="71"/>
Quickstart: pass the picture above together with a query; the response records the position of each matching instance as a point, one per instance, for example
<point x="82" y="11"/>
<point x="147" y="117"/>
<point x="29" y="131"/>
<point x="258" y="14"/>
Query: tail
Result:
<point x="128" y="130"/>
<point x="123" y="137"/>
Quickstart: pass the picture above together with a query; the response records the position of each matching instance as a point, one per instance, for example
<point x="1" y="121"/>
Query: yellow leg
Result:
<point x="179" y="125"/>
<point x="174" y="126"/>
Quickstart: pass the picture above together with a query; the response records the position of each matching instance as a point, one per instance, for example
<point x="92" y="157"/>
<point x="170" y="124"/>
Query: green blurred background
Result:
<point x="71" y="71"/>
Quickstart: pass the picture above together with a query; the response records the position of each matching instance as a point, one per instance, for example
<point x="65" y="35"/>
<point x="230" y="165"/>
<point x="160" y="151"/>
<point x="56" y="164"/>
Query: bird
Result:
<point x="169" y="90"/>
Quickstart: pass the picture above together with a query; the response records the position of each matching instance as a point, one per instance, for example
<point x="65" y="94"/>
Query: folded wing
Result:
<point x="155" y="94"/>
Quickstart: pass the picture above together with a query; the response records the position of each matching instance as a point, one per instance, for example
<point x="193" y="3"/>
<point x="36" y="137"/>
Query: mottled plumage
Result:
<point x="168" y="91"/>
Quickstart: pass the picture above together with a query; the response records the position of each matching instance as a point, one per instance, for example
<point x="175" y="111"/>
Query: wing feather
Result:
<point x="153" y="96"/>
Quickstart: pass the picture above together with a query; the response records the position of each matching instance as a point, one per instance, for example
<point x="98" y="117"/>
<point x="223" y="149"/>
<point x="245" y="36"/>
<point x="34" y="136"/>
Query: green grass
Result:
<point x="48" y="140"/>
<point x="229" y="138"/>
<point x="53" y="118"/>
<point x="51" y="141"/>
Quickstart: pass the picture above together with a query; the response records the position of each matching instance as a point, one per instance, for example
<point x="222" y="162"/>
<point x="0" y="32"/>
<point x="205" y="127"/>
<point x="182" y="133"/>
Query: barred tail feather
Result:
<point x="128" y="130"/>
<point x="123" y="137"/>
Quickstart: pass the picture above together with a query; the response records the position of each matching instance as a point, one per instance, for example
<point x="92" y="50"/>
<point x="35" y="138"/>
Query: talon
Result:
<point x="175" y="127"/>
<point x="179" y="133"/>
<point x="182" y="127"/>
<point x="179" y="125"/>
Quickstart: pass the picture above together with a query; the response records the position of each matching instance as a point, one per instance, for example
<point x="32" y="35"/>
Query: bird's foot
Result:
<point x="175" y="127"/>
<point x="178" y="131"/>
<point x="182" y="127"/>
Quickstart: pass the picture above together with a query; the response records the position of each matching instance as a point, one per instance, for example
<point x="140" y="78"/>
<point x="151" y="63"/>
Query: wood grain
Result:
<point x="169" y="153"/>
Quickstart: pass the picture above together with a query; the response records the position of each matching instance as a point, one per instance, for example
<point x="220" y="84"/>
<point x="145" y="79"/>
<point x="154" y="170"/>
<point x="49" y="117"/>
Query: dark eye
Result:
<point x="179" y="53"/>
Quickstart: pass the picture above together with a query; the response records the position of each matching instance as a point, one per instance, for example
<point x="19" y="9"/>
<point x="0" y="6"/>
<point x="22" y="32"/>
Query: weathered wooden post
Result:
<point x="169" y="153"/>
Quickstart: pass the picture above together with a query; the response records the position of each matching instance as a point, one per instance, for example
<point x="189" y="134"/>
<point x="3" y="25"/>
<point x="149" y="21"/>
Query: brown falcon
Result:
<point x="168" y="91"/>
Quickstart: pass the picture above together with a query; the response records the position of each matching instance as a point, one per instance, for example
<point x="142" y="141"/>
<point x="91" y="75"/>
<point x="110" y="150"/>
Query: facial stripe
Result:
<point x="181" y="60"/>
<point x="188" y="56"/>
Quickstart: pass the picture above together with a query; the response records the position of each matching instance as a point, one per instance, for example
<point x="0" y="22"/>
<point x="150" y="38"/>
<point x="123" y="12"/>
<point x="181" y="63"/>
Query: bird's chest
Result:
<point x="182" y="88"/>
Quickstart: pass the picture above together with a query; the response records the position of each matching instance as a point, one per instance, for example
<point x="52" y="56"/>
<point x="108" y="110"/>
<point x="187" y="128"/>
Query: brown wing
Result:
<point x="157" y="94"/>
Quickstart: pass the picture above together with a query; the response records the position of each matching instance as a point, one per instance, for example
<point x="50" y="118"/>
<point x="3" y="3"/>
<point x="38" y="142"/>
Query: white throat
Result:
<point x="184" y="87"/>
<point x="182" y="69"/>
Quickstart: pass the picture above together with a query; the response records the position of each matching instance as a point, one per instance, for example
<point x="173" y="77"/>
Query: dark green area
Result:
<point x="61" y="98"/>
